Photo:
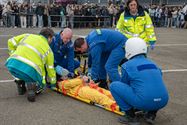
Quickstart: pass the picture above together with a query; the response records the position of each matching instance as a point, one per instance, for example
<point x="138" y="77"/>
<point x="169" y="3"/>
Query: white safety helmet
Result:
<point x="135" y="46"/>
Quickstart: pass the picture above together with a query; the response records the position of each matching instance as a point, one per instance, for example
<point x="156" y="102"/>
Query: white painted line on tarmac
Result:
<point x="3" y="81"/>
<point x="164" y="71"/>
<point x="170" y="45"/>
<point x="174" y="70"/>
<point x="6" y="35"/>
<point x="3" y="48"/>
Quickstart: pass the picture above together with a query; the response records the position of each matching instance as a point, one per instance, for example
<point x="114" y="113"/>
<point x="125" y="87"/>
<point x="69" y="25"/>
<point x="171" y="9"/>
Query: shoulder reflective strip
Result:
<point x="28" y="62"/>
<point x="24" y="38"/>
<point x="34" y="49"/>
<point x="146" y="67"/>
<point x="148" y="26"/>
<point x="13" y="41"/>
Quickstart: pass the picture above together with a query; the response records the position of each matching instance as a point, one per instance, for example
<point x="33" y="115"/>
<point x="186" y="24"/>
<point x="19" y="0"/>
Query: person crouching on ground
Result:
<point x="141" y="86"/>
<point x="31" y="59"/>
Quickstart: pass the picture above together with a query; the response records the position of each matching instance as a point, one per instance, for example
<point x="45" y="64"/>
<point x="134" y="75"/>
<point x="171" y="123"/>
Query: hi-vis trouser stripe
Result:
<point x="28" y="62"/>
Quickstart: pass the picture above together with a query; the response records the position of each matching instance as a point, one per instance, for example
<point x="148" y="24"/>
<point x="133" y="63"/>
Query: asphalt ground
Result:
<point x="51" y="108"/>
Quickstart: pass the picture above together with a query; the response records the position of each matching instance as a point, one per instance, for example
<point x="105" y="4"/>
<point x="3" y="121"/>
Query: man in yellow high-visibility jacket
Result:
<point x="31" y="59"/>
<point x="135" y="22"/>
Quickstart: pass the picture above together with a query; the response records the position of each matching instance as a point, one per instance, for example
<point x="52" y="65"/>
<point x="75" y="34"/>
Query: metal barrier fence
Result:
<point x="76" y="21"/>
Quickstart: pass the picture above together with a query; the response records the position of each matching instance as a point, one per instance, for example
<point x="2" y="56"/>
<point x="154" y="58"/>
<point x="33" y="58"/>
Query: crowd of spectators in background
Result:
<point x="85" y="15"/>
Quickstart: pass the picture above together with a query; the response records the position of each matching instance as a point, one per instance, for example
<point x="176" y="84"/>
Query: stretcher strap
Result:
<point x="63" y="89"/>
<point x="100" y="90"/>
<point x="77" y="91"/>
<point x="113" y="107"/>
<point x="110" y="96"/>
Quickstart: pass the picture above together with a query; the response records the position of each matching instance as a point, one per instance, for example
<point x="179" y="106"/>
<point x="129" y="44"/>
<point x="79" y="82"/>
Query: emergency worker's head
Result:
<point x="80" y="45"/>
<point x="47" y="33"/>
<point x="66" y="35"/>
<point x="135" y="46"/>
<point x="132" y="5"/>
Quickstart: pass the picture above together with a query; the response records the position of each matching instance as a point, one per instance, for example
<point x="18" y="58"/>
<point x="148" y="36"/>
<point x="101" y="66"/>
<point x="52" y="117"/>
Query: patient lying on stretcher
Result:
<point x="89" y="91"/>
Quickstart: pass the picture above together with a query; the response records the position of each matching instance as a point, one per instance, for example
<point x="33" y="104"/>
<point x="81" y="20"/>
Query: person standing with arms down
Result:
<point x="31" y="59"/>
<point x="135" y="22"/>
<point x="141" y="86"/>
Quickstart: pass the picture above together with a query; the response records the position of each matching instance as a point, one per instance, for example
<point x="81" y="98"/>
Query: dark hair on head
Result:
<point x="129" y="1"/>
<point x="47" y="32"/>
<point x="78" y="42"/>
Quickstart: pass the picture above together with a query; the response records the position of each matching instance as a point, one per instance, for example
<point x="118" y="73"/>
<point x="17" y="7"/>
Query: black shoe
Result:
<point x="31" y="92"/>
<point x="128" y="120"/>
<point x="103" y="84"/>
<point x="21" y="87"/>
<point x="150" y="117"/>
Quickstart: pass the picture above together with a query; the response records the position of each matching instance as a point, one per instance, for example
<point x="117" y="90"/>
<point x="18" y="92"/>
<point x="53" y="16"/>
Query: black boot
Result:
<point x="103" y="84"/>
<point x="31" y="92"/>
<point x="21" y="87"/>
<point x="129" y="118"/>
<point x="150" y="117"/>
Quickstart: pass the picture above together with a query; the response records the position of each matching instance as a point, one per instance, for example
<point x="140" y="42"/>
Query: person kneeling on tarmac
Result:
<point x="30" y="60"/>
<point x="141" y="86"/>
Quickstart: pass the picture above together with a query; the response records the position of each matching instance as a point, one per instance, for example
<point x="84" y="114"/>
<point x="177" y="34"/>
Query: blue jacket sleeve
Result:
<point x="96" y="57"/>
<point x="70" y="58"/>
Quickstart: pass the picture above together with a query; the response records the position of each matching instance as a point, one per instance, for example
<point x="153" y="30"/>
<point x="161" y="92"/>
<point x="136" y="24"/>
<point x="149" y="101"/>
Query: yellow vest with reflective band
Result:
<point x="141" y="27"/>
<point x="34" y="50"/>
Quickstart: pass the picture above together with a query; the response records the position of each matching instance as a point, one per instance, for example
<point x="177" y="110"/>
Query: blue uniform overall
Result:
<point x="141" y="86"/>
<point x="64" y="54"/>
<point x="106" y="52"/>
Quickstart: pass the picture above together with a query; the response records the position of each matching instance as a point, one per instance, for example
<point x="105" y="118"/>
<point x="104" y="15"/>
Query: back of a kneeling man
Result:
<point x="141" y="86"/>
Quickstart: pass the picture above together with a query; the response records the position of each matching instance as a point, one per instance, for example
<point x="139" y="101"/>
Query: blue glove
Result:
<point x="152" y="44"/>
<point x="61" y="71"/>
